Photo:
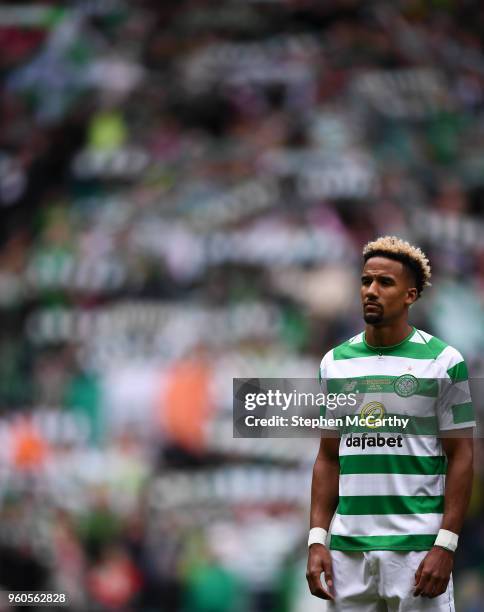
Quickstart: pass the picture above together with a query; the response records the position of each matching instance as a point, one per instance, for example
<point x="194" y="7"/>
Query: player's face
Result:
<point x="385" y="291"/>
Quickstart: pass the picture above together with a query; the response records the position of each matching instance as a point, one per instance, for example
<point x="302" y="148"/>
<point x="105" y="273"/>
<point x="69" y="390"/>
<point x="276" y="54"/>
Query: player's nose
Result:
<point x="372" y="290"/>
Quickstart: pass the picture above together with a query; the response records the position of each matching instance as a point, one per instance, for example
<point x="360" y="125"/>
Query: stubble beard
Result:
<point x="373" y="318"/>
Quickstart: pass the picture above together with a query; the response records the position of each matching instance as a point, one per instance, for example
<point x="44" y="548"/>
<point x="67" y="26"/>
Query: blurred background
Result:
<point x="185" y="189"/>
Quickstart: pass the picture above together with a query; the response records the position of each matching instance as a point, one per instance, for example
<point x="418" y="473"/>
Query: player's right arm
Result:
<point x="324" y="500"/>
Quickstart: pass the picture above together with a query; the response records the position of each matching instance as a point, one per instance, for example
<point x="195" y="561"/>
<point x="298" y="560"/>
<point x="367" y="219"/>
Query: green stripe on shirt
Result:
<point x="398" y="542"/>
<point x="459" y="372"/>
<point x="428" y="387"/>
<point x="462" y="413"/>
<point x="392" y="464"/>
<point x="423" y="426"/>
<point x="411" y="350"/>
<point x="390" y="504"/>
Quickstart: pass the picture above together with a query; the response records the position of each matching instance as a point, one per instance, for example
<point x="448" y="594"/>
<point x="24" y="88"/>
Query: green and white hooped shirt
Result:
<point x="392" y="476"/>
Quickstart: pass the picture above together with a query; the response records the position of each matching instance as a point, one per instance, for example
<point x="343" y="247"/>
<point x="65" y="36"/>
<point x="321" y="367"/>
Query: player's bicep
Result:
<point x="460" y="443"/>
<point x="329" y="447"/>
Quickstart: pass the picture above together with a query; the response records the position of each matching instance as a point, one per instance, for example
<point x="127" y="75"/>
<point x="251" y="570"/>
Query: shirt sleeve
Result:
<point x="455" y="409"/>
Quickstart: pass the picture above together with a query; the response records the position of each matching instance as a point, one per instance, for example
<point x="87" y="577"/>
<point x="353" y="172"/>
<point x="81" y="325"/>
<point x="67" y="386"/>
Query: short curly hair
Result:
<point x="401" y="250"/>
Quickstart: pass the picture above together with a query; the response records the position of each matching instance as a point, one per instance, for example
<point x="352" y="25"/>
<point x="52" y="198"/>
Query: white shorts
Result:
<point x="382" y="581"/>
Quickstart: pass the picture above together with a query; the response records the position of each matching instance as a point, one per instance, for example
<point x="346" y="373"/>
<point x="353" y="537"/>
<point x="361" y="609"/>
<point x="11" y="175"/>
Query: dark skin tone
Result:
<point x="387" y="291"/>
<point x="324" y="499"/>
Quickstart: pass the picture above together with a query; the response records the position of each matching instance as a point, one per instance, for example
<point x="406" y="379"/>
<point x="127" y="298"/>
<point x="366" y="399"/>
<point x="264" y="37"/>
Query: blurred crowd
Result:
<point x="185" y="190"/>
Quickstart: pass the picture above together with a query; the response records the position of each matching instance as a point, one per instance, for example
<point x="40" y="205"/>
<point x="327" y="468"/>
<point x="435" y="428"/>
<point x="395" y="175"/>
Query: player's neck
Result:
<point x="387" y="335"/>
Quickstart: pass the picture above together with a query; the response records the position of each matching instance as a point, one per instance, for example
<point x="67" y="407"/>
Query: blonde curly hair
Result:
<point x="401" y="250"/>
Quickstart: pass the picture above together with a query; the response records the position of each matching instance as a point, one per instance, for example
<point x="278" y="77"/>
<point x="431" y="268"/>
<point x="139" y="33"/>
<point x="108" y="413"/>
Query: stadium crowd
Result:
<point x="185" y="191"/>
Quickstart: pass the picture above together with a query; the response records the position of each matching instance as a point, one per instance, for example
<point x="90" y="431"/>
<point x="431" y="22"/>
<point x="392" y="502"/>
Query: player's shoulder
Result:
<point x="447" y="356"/>
<point x="342" y="349"/>
<point x="349" y="347"/>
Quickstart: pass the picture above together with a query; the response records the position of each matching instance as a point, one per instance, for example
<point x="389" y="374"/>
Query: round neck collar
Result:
<point x="388" y="346"/>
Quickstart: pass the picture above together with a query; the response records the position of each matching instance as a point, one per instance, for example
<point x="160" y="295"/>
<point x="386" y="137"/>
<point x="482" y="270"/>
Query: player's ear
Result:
<point x="412" y="296"/>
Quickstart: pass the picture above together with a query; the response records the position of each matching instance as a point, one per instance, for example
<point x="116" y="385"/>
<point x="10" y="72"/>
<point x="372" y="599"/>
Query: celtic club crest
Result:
<point x="406" y="385"/>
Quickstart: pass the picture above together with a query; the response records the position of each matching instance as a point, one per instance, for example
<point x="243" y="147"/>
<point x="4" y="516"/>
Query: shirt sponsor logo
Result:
<point x="378" y="441"/>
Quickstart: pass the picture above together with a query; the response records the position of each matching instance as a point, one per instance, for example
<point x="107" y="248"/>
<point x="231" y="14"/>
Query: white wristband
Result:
<point x="447" y="539"/>
<point x="317" y="535"/>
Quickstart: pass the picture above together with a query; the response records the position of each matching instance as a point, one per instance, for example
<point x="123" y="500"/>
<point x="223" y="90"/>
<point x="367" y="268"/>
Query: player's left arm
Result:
<point x="433" y="574"/>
